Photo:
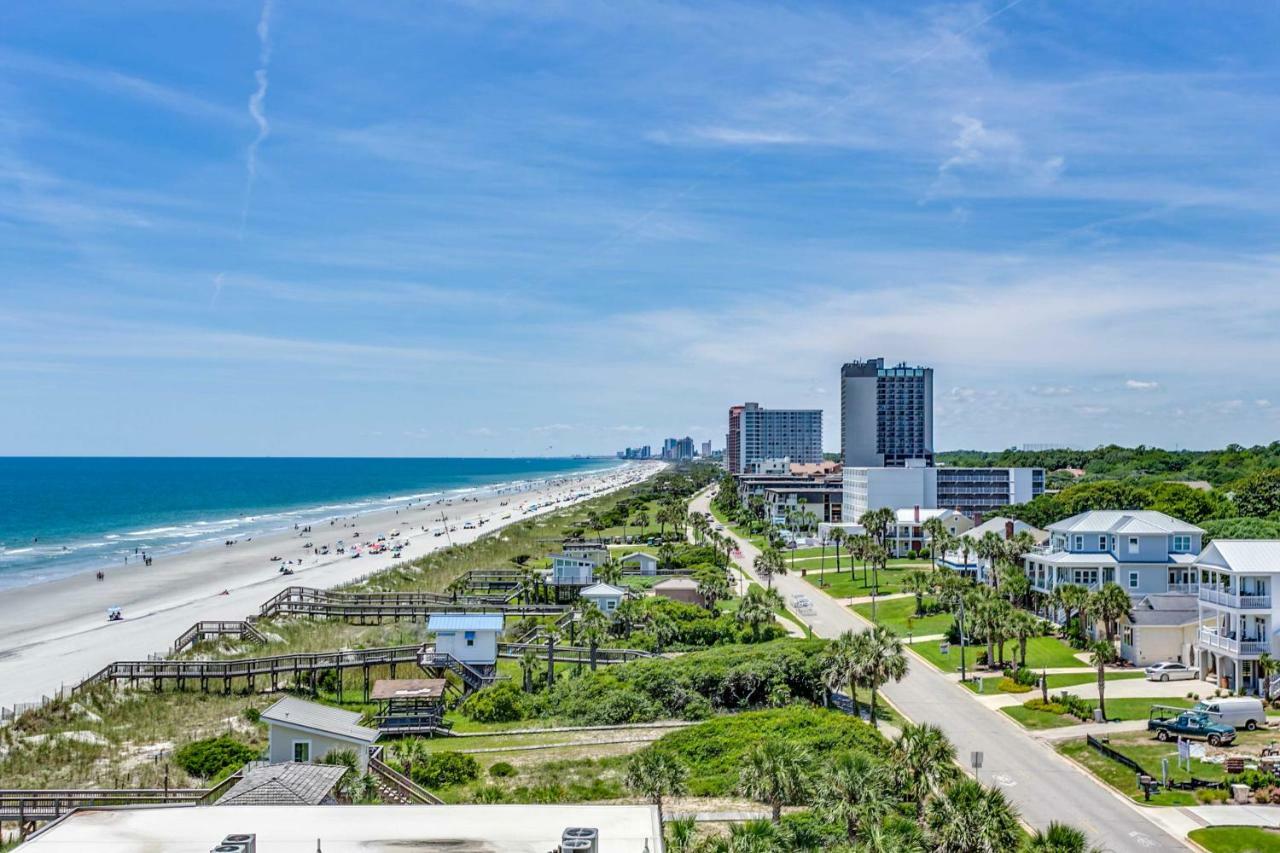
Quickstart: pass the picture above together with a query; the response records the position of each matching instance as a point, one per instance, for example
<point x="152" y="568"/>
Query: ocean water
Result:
<point x="63" y="515"/>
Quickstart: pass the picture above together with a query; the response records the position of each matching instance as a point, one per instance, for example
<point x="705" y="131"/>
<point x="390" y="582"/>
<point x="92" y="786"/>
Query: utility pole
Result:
<point x="962" y="669"/>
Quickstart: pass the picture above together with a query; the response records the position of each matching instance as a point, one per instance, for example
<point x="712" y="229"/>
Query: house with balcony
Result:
<point x="907" y="534"/>
<point x="964" y="558"/>
<point x="1144" y="551"/>
<point x="1238" y="620"/>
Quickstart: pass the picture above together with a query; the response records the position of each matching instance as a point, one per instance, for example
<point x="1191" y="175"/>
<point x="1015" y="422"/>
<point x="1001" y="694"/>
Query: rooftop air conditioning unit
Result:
<point x="238" y="842"/>
<point x="583" y="838"/>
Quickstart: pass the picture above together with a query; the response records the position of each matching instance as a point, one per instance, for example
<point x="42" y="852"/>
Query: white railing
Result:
<point x="1214" y="640"/>
<point x="1183" y="587"/>
<point x="1231" y="599"/>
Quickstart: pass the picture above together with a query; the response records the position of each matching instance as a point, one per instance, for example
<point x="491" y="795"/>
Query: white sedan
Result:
<point x="1171" y="671"/>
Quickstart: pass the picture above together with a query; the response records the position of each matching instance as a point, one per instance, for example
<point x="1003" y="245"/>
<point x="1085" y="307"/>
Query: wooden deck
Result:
<point x="363" y="608"/>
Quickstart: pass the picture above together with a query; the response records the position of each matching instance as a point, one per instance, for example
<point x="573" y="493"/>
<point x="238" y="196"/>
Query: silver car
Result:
<point x="1171" y="671"/>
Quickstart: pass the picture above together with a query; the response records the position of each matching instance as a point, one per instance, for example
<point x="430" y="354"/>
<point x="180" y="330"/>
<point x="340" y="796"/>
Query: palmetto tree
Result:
<point x="854" y="790"/>
<point x="528" y="666"/>
<point x="769" y="563"/>
<point x="610" y="571"/>
<point x="934" y="530"/>
<point x="595" y="628"/>
<point x="1071" y="598"/>
<point x="713" y="586"/>
<point x="775" y="773"/>
<point x="838" y="537"/>
<point x="654" y="776"/>
<point x="1107" y="605"/>
<point x="1101" y="653"/>
<point x="682" y="835"/>
<point x="882" y="660"/>
<point x="991" y="548"/>
<point x="1059" y="838"/>
<point x="896" y="836"/>
<point x="968" y="818"/>
<point x="843" y="665"/>
<point x="924" y="762"/>
<point x="1023" y="626"/>
<point x="748" y="836"/>
<point x="920" y="583"/>
<point x="757" y="608"/>
<point x="409" y="752"/>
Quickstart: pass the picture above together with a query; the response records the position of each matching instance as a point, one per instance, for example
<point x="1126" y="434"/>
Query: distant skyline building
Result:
<point x="886" y="414"/>
<point x="976" y="492"/>
<point x="757" y="433"/>
<point x="706" y="450"/>
<point x="642" y="452"/>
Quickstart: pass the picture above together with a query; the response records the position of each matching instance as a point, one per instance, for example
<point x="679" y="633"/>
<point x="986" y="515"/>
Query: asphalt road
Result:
<point x="1043" y="785"/>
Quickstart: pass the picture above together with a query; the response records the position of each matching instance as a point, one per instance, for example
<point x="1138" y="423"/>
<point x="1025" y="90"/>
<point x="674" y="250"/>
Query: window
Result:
<point x="1079" y="542"/>
<point x="1126" y="636"/>
<point x="1181" y="544"/>
<point x="470" y="637"/>
<point x="1133" y="544"/>
<point x="1133" y="580"/>
<point x="302" y="751"/>
<point x="1102" y="543"/>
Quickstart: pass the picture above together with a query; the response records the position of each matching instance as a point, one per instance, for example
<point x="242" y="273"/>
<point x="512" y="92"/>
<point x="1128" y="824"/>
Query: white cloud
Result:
<point x="257" y="107"/>
<point x="1051" y="390"/>
<point x="1141" y="385"/>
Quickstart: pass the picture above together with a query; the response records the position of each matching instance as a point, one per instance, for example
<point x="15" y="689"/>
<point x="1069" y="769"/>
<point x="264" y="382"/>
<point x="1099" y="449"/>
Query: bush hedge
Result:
<point x="440" y="769"/>
<point x="209" y="757"/>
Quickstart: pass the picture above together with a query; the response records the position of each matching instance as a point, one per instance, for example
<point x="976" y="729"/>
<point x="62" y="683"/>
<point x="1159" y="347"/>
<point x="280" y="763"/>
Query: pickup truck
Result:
<point x="1190" y="724"/>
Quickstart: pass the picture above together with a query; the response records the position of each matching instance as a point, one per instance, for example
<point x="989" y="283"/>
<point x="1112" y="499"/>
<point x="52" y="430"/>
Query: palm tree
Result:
<point x="756" y="610"/>
<point x="854" y="790"/>
<point x="775" y="773"/>
<point x="892" y="837"/>
<point x="528" y="666"/>
<point x="597" y="524"/>
<point x="883" y="660"/>
<point x="665" y="631"/>
<point x="713" y="586"/>
<point x="1072" y="598"/>
<point x="749" y="836"/>
<point x="1101" y="654"/>
<point x="595" y="627"/>
<point x="1107" y="605"/>
<point x="610" y="571"/>
<point x="918" y="582"/>
<point x="409" y="752"/>
<point x="681" y="835"/>
<point x="1059" y="838"/>
<point x="837" y="536"/>
<point x="991" y="548"/>
<point x="1265" y="664"/>
<point x="968" y="818"/>
<point x="553" y="637"/>
<point x="934" y="531"/>
<point x="654" y="775"/>
<point x="985" y="617"/>
<point x="768" y="564"/>
<point x="1023" y="626"/>
<point x="843" y="665"/>
<point x="924" y="762"/>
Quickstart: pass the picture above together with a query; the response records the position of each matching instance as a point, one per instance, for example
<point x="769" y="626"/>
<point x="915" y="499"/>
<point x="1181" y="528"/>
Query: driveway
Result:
<point x="1044" y="786"/>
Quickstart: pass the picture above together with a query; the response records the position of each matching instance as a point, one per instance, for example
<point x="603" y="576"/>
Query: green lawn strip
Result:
<point x="1128" y="708"/>
<point x="1237" y="839"/>
<point x="1041" y="652"/>
<point x="898" y="614"/>
<point x="842" y="585"/>
<point x="1125" y="780"/>
<point x="1057" y="681"/>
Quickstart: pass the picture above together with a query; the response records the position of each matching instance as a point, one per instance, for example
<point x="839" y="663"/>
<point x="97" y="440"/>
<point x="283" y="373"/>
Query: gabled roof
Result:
<point x="636" y="554"/>
<point x="1135" y="521"/>
<point x="1165" y="608"/>
<point x="291" y="711"/>
<point x="1242" y="555"/>
<point x="996" y="524"/>
<point x="464" y="622"/>
<point x="289" y="784"/>
<point x="601" y="589"/>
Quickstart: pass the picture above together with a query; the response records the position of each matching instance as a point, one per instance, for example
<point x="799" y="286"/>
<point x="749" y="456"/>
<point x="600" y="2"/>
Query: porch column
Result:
<point x="1239" y="686"/>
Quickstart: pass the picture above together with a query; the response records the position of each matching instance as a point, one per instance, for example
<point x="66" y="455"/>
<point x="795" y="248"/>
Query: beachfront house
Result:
<point x="471" y="638"/>
<point x="679" y="589"/>
<point x="605" y="596"/>
<point x="305" y="732"/>
<point x="569" y="574"/>
<point x="645" y="564"/>
<point x="907" y="535"/>
<point x="1238" y="616"/>
<point x="594" y="552"/>
<point x="969" y="563"/>
<point x="1143" y="551"/>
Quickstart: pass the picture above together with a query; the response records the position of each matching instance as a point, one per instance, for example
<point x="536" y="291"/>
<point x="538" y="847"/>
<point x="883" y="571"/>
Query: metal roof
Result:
<point x="1242" y="555"/>
<point x="1123" y="521"/>
<point x="996" y="524"/>
<point x="1170" y="609"/>
<point x="465" y="622"/>
<point x="289" y="784"/>
<point x="408" y="688"/>
<point x="635" y="554"/>
<point x="603" y="589"/>
<point x="291" y="711"/>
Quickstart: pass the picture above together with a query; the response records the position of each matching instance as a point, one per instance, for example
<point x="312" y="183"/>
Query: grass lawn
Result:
<point x="1041" y="652"/>
<point x="843" y="585"/>
<point x="1056" y="682"/>
<point x="1117" y="709"/>
<point x="1237" y="839"/>
<point x="898" y="614"/>
<point x="1147" y="751"/>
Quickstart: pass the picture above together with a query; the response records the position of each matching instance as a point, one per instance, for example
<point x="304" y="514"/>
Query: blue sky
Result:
<point x="519" y="228"/>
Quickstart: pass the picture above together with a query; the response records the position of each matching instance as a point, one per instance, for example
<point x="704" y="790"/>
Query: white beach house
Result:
<point x="468" y="637"/>
<point x="302" y="731"/>
<point x="605" y="596"/>
<point x="1238" y="615"/>
<point x="646" y="563"/>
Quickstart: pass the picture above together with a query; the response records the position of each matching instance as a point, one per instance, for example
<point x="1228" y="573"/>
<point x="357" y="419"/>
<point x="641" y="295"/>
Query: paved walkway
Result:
<point x="1044" y="786"/>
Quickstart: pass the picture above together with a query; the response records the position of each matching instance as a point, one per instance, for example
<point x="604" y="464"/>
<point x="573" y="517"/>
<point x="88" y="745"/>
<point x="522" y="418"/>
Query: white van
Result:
<point x="1245" y="712"/>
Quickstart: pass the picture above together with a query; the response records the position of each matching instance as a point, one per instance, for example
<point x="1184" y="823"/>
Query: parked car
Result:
<point x="1171" y="670"/>
<point x="1189" y="724"/>
<point x="1240" y="711"/>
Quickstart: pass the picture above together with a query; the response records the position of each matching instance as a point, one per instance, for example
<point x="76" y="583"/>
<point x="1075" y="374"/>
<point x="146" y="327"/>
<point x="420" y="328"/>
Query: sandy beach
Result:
<point x="56" y="633"/>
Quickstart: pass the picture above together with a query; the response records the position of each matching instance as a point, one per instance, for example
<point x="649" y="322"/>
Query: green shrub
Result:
<point x="253" y="715"/>
<point x="1051" y="707"/>
<point x="1211" y="795"/>
<point x="502" y="770"/>
<point x="1255" y="779"/>
<point x="209" y="757"/>
<point x="440" y="769"/>
<point x="504" y="702"/>
<point x="1008" y="685"/>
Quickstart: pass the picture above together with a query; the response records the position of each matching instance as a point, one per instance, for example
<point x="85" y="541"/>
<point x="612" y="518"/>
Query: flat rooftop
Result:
<point x="350" y="829"/>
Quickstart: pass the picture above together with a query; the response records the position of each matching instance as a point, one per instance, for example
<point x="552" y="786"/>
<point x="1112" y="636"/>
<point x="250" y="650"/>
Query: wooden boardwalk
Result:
<point x="364" y="608"/>
<point x="202" y="631"/>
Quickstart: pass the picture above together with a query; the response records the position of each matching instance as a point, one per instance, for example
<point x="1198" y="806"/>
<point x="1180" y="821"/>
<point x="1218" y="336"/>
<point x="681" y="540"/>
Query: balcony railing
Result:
<point x="1236" y="600"/>
<point x="1183" y="587"/>
<point x="1212" y="639"/>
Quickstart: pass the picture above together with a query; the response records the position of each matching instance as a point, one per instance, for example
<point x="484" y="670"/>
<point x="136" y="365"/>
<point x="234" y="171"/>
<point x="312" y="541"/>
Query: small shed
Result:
<point x="647" y="563"/>
<point x="570" y="570"/>
<point x="288" y="784"/>
<point x="303" y="732"/>
<point x="409" y="705"/>
<point x="679" y="589"/>
<point x="605" y="596"/>
<point x="469" y="637"/>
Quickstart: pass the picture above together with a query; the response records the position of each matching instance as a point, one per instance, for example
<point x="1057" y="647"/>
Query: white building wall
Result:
<point x="281" y="738"/>
<point x="482" y="647"/>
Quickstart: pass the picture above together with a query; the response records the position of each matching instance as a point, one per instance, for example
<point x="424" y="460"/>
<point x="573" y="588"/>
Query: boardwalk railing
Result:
<point x="402" y="786"/>
<point x="204" y="630"/>
<point x="363" y="607"/>
<point x="29" y="806"/>
<point x="573" y="654"/>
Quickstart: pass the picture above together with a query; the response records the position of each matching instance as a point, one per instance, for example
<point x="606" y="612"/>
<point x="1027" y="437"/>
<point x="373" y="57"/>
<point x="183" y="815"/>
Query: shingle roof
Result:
<point x="465" y="622"/>
<point x="603" y="589"/>
<point x="408" y="688"/>
<point x="289" y="784"/>
<point x="1123" y="521"/>
<point x="1166" y="608"/>
<point x="292" y="711"/>
<point x="1243" y="555"/>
